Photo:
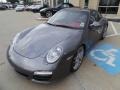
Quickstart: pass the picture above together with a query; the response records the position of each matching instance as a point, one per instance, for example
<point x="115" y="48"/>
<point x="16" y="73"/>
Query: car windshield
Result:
<point x="70" y="19"/>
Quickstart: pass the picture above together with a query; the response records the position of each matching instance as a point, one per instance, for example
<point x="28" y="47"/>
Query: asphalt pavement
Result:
<point x="99" y="71"/>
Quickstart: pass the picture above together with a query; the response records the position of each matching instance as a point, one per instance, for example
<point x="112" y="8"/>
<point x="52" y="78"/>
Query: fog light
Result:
<point x="42" y="73"/>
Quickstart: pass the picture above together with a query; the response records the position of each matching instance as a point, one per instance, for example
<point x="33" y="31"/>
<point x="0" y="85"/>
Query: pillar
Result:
<point x="75" y="2"/>
<point x="93" y="4"/>
<point x="118" y="13"/>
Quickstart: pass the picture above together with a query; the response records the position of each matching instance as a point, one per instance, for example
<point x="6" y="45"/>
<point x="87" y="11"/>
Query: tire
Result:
<point x="49" y="14"/>
<point x="78" y="59"/>
<point x="104" y="32"/>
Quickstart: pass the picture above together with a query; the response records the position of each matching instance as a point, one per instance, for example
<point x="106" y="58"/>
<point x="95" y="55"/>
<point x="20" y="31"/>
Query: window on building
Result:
<point x="60" y="1"/>
<point x="86" y="3"/>
<point x="63" y="1"/>
<point x="109" y="6"/>
<point x="66" y="1"/>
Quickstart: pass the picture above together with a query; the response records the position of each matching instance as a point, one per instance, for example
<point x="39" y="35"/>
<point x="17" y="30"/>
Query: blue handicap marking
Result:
<point x="107" y="57"/>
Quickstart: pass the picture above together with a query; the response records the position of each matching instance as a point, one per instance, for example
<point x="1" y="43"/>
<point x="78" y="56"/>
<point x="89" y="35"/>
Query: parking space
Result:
<point x="106" y="54"/>
<point x="110" y="32"/>
<point x="114" y="29"/>
<point x="99" y="72"/>
<point x="117" y="26"/>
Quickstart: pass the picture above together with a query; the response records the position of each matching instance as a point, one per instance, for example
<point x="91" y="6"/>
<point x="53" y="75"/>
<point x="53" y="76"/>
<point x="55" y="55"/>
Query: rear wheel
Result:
<point x="104" y="32"/>
<point x="49" y="14"/>
<point x="78" y="59"/>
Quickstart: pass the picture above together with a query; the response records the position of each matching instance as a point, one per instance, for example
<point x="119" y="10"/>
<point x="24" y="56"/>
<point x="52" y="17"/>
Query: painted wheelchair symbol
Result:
<point x="109" y="58"/>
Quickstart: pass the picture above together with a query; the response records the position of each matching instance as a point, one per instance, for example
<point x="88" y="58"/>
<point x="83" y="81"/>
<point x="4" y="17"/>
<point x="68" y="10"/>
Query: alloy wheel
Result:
<point x="78" y="59"/>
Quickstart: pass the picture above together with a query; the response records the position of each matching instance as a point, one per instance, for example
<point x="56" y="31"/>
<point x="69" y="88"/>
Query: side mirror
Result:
<point x="95" y="25"/>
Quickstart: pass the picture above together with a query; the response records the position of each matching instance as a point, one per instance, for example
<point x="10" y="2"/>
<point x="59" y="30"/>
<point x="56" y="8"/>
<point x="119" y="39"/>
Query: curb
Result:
<point x="114" y="19"/>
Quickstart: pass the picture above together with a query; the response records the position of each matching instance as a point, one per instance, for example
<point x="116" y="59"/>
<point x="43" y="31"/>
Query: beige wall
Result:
<point x="78" y="3"/>
<point x="51" y="3"/>
<point x="93" y="4"/>
<point x="82" y="3"/>
<point x="75" y="2"/>
<point x="118" y="11"/>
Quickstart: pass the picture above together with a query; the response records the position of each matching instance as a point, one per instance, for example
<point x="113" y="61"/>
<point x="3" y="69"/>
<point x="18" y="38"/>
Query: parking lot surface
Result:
<point x="94" y="74"/>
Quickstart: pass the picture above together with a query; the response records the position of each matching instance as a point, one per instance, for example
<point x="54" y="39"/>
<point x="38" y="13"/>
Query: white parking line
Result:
<point x="114" y="29"/>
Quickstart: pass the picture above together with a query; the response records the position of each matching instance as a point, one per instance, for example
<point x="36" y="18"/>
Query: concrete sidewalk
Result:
<point x="112" y="17"/>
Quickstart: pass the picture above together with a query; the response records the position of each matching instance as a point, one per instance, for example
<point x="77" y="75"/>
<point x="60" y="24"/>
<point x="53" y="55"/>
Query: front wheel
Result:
<point x="104" y="32"/>
<point x="78" y="59"/>
<point x="49" y="14"/>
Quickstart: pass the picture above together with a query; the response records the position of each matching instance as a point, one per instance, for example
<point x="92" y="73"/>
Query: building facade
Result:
<point x="103" y="6"/>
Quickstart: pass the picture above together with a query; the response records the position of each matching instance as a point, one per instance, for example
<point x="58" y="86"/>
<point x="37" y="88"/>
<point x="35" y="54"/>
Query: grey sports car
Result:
<point x="52" y="50"/>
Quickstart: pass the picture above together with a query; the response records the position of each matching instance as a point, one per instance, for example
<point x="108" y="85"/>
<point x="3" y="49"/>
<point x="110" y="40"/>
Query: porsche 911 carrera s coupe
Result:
<point x="52" y="50"/>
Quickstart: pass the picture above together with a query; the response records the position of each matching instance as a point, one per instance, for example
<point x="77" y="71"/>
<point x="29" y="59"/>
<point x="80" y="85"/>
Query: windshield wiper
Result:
<point x="58" y="25"/>
<point x="62" y="26"/>
<point x="51" y="24"/>
<point x="66" y="26"/>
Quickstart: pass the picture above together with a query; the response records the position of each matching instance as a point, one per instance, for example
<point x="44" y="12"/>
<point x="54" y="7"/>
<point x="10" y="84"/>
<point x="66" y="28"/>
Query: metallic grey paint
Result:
<point x="28" y="54"/>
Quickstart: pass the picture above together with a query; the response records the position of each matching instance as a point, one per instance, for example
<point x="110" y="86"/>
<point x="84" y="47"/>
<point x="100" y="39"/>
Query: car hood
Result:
<point x="41" y="39"/>
<point x="45" y="9"/>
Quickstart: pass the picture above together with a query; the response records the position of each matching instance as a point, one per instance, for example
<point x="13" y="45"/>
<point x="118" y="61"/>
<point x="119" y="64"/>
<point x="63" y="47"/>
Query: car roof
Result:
<point x="78" y="9"/>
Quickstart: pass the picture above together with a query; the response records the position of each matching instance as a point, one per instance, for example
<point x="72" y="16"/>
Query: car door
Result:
<point x="99" y="19"/>
<point x="93" y="31"/>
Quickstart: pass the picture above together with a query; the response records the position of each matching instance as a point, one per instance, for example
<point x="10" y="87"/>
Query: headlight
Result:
<point x="54" y="54"/>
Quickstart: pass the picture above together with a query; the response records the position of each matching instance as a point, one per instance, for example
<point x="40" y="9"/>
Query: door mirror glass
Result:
<point x="95" y="24"/>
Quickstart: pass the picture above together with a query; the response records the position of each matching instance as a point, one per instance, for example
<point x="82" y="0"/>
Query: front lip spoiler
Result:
<point x="41" y="82"/>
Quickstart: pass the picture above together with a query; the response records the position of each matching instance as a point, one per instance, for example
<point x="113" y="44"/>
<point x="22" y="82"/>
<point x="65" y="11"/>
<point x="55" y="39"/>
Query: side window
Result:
<point x="96" y="15"/>
<point x="66" y="6"/>
<point x="100" y="16"/>
<point x="92" y="19"/>
<point x="61" y="7"/>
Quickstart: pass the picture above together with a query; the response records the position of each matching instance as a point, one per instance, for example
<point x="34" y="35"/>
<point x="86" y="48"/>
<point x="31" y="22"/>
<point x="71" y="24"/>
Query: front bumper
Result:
<point x="43" y="14"/>
<point x="35" y="73"/>
<point x="35" y="10"/>
<point x="36" y="70"/>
